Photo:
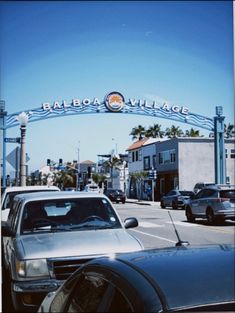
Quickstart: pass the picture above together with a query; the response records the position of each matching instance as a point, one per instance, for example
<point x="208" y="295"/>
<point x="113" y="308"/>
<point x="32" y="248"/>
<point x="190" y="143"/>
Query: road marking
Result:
<point x="149" y="225"/>
<point x="183" y="224"/>
<point x="226" y="231"/>
<point x="162" y="238"/>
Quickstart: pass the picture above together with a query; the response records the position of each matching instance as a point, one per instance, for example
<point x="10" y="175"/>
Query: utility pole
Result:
<point x="78" y="169"/>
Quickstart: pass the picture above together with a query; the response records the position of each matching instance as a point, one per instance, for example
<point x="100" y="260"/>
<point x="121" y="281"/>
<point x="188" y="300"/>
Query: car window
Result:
<point x="8" y="200"/>
<point x="209" y="193"/>
<point x="87" y="294"/>
<point x="186" y="193"/>
<point x="200" y="194"/>
<point x="228" y="194"/>
<point x="65" y="214"/>
<point x="13" y="214"/>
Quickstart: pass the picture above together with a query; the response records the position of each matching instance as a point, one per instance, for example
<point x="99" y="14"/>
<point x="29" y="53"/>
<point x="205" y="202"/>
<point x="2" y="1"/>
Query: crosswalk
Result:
<point x="145" y="224"/>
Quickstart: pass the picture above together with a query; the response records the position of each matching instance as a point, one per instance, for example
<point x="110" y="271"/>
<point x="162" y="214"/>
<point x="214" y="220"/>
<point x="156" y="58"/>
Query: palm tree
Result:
<point x="138" y="179"/>
<point x="174" y="131"/>
<point x="99" y="178"/>
<point x="228" y="130"/>
<point x="154" y="131"/>
<point x="138" y="132"/>
<point x="63" y="179"/>
<point x="192" y="133"/>
<point x="112" y="163"/>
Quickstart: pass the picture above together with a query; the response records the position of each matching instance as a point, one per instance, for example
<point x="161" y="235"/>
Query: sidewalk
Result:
<point x="142" y="202"/>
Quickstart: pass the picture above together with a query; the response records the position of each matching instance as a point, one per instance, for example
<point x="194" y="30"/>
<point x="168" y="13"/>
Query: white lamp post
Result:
<point x="23" y="120"/>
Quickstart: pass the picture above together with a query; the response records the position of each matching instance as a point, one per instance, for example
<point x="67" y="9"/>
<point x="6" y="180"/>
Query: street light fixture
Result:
<point x="23" y="120"/>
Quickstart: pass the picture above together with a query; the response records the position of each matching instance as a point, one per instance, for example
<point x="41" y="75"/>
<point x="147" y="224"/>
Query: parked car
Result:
<point x="215" y="203"/>
<point x="176" y="279"/>
<point x="92" y="188"/>
<point x="176" y="198"/>
<point x="49" y="235"/>
<point x="199" y="186"/>
<point x="10" y="192"/>
<point x="115" y="195"/>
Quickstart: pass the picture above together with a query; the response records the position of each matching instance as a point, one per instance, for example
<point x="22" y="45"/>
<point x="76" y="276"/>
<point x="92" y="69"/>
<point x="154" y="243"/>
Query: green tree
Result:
<point x="174" y="131"/>
<point x="99" y="178"/>
<point x="138" y="178"/>
<point x="63" y="179"/>
<point x="138" y="132"/>
<point x="154" y="131"/>
<point x="111" y="164"/>
<point x="192" y="133"/>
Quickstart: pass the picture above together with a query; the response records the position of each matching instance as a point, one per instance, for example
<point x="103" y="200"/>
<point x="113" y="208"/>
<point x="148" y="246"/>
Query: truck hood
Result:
<point x="77" y="243"/>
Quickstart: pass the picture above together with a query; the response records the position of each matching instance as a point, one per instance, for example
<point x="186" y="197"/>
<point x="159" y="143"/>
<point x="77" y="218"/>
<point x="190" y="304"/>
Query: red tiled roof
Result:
<point x="137" y="144"/>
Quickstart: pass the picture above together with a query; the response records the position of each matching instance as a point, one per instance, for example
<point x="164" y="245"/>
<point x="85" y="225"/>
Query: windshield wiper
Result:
<point x="47" y="228"/>
<point x="91" y="225"/>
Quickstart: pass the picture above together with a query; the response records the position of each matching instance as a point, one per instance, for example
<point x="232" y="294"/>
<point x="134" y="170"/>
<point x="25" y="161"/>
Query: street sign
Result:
<point x="12" y="140"/>
<point x="152" y="174"/>
<point x="13" y="157"/>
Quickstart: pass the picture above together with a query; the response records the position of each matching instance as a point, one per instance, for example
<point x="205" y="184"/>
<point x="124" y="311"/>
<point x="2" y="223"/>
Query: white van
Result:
<point x="92" y="188"/>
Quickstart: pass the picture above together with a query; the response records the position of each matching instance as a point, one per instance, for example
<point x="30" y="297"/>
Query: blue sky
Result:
<point x="178" y="51"/>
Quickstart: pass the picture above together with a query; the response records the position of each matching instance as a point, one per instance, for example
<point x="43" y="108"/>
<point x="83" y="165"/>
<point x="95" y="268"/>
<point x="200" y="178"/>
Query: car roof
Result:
<point x="205" y="272"/>
<point x="220" y="187"/>
<point x="47" y="195"/>
<point x="27" y="188"/>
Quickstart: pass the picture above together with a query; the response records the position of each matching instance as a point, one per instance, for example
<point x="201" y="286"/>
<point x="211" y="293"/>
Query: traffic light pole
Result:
<point x="153" y="177"/>
<point x="153" y="189"/>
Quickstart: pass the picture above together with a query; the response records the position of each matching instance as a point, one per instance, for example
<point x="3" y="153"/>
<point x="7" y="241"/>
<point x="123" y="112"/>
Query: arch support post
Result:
<point x="219" y="146"/>
<point x="3" y="114"/>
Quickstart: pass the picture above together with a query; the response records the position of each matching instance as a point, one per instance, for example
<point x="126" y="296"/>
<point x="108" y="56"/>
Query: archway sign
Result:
<point x="114" y="102"/>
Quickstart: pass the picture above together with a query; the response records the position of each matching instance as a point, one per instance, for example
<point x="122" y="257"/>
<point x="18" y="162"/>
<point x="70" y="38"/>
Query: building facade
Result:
<point x="179" y="162"/>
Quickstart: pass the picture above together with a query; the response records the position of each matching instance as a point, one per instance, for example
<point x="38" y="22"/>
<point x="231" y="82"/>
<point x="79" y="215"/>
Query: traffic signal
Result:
<point x="60" y="162"/>
<point x="48" y="162"/>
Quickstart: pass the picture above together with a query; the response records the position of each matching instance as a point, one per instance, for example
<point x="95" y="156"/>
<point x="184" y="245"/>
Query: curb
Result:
<point x="140" y="202"/>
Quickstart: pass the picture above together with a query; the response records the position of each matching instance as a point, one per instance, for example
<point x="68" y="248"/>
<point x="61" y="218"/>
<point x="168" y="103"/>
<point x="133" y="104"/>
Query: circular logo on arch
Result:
<point x="114" y="101"/>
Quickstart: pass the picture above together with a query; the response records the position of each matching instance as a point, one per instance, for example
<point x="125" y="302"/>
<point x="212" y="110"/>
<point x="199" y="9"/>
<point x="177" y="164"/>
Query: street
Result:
<point x="155" y="228"/>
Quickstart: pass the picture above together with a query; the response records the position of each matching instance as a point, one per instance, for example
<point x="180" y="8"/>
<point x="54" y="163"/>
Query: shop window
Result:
<point x="162" y="186"/>
<point x="168" y="156"/>
<point x="137" y="155"/>
<point x="172" y="153"/>
<point x="146" y="163"/>
<point x="154" y="161"/>
<point x="133" y="156"/>
<point x="160" y="158"/>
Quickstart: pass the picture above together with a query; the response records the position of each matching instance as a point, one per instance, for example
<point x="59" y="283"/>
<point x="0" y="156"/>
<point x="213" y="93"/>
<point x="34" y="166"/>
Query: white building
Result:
<point x="179" y="162"/>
